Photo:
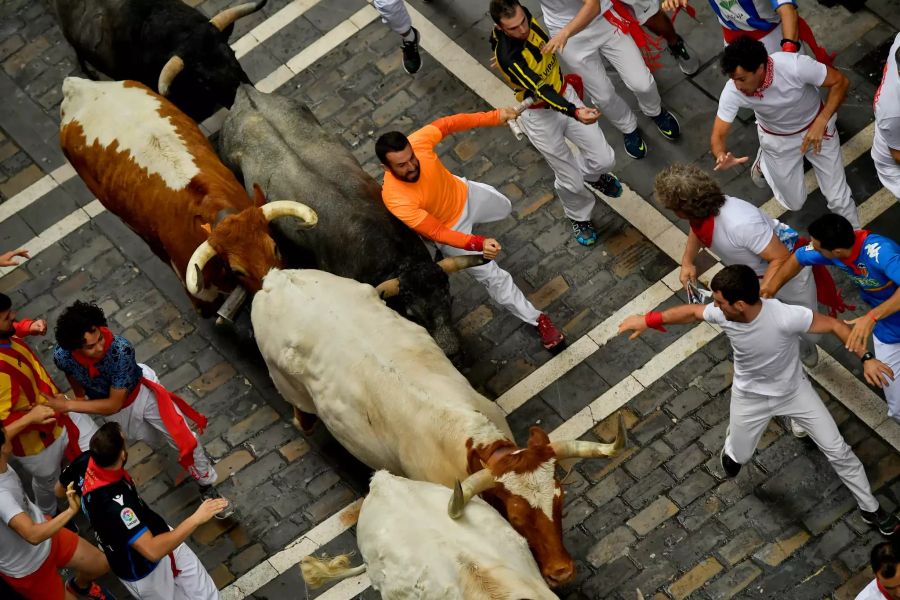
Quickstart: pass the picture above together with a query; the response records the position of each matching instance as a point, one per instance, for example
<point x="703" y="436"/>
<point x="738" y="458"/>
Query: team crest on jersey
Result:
<point x="129" y="518"/>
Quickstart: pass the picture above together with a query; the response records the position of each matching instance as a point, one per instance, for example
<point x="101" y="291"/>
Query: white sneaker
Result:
<point x="756" y="174"/>
<point x="797" y="430"/>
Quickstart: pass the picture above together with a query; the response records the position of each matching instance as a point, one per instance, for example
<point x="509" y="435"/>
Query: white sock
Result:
<point x="409" y="36"/>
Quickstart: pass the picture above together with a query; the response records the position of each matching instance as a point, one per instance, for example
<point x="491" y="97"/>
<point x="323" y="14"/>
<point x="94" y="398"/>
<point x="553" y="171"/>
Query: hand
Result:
<point x="556" y="43"/>
<point x="765" y="291"/>
<point x="6" y="259"/>
<point x="41" y="414"/>
<point x="877" y="373"/>
<point x="635" y="323"/>
<point x="688" y="273"/>
<point x="726" y="160"/>
<point x="673" y="4"/>
<point x="586" y="115"/>
<point x="38" y="327"/>
<point x="72" y="498"/>
<point x="813" y="137"/>
<point x="507" y="114"/>
<point x="491" y="248"/>
<point x="209" y="509"/>
<point x="858" y="340"/>
<point x="59" y="403"/>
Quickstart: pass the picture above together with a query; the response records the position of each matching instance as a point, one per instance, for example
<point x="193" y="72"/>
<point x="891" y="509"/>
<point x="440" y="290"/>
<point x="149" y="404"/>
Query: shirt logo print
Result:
<point x="129" y="518"/>
<point x="872" y="250"/>
<point x="119" y="499"/>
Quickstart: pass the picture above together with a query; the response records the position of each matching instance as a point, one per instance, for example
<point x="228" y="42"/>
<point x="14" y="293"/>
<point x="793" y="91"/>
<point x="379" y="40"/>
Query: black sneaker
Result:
<point x="607" y="184"/>
<point x="634" y="145"/>
<point x="209" y="492"/>
<point x="687" y="60"/>
<point x="731" y="466"/>
<point x="886" y="523"/>
<point x="667" y="125"/>
<point x="412" y="62"/>
<point x="584" y="231"/>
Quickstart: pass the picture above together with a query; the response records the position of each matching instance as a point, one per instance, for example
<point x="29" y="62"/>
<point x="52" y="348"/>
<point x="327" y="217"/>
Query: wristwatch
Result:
<point x="866" y="356"/>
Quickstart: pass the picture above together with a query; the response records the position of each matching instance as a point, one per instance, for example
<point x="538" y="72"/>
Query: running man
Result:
<point x="557" y="115"/>
<point x="648" y="14"/>
<point x="149" y="557"/>
<point x="885" y="562"/>
<point x="886" y="144"/>
<point x="420" y="191"/>
<point x="584" y="33"/>
<point x="782" y="89"/>
<point x="34" y="547"/>
<point x="394" y="15"/>
<point x="872" y="262"/>
<point x="768" y="378"/>
<point x="108" y="381"/>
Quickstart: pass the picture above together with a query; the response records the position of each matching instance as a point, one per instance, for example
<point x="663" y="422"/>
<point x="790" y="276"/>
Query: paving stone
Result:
<point x="773" y="554"/>
<point x="239" y="432"/>
<point x="650" y="427"/>
<point x="247" y="559"/>
<point x="221" y="576"/>
<point x="211" y="530"/>
<point x="650" y="486"/>
<point x="684" y="432"/>
<point x="614" y="514"/>
<point x="610" y="487"/>
<point x="692" y="488"/>
<point x="180" y="377"/>
<point x="233" y="463"/>
<point x="648" y="459"/>
<point x="611" y="547"/>
<point x="258" y="471"/>
<point x="695" y="578"/>
<point x="646" y="520"/>
<point x="294" y="449"/>
<point x="610" y="577"/>
<point x="147" y="470"/>
<point x="331" y="502"/>
<point x="733" y="582"/>
<point x="699" y="512"/>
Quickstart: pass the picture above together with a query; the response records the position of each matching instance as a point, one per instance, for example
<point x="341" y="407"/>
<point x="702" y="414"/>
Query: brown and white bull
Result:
<point x="150" y="164"/>
<point x="388" y="394"/>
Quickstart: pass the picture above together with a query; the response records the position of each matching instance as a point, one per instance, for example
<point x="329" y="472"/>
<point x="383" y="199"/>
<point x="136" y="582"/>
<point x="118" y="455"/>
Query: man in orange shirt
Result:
<point x="420" y="191"/>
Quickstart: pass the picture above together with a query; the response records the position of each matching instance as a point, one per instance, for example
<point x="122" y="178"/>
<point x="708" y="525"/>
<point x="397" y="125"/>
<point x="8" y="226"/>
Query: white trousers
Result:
<point x="782" y="165"/>
<point x="750" y="414"/>
<point x="46" y="466"/>
<point x="141" y="421"/>
<point x="484" y="204"/>
<point x="889" y="354"/>
<point x="889" y="175"/>
<point x="548" y="131"/>
<point x="192" y="583"/>
<point x="394" y="15"/>
<point x="643" y="9"/>
<point x="584" y="53"/>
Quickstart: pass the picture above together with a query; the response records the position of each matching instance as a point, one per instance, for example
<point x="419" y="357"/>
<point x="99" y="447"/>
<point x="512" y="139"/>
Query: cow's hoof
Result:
<point x="305" y="422"/>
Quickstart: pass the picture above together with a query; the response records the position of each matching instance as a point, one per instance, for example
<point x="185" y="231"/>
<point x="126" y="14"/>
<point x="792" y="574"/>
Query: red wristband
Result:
<point x="789" y="46"/>
<point x="475" y="243"/>
<point x="871" y="316"/>
<point x="654" y="320"/>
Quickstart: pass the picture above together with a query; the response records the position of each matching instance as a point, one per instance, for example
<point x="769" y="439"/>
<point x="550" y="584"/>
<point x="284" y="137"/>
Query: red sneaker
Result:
<point x="95" y="592"/>
<point x="551" y="337"/>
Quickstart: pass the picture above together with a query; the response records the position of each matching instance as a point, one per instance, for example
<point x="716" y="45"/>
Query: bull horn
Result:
<point x="169" y="71"/>
<point x="474" y="484"/>
<point x="388" y="289"/>
<point x="579" y="449"/>
<point x="193" y="278"/>
<point x="288" y="208"/>
<point x="452" y="264"/>
<point x="230" y="15"/>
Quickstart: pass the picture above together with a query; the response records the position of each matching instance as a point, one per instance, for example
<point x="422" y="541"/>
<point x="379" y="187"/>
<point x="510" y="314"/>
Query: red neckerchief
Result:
<point x="767" y="79"/>
<point x="88" y="362"/>
<point x="881" y="589"/>
<point x="96" y="477"/>
<point x="703" y="229"/>
<point x="850" y="261"/>
<point x="827" y="292"/>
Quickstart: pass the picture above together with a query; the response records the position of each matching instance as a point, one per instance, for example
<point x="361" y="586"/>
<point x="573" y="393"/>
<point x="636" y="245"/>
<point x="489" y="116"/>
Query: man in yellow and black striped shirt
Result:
<point x="557" y="115"/>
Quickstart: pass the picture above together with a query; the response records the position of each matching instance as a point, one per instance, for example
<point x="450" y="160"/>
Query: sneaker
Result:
<point x="886" y="523"/>
<point x="798" y="431"/>
<point x="209" y="492"/>
<point x="687" y="60"/>
<point x="584" y="231"/>
<point x="667" y="125"/>
<point x="607" y="184"/>
<point x="757" y="177"/>
<point x="94" y="592"/>
<point x="551" y="337"/>
<point x="634" y="145"/>
<point x="412" y="62"/>
<point x="731" y="466"/>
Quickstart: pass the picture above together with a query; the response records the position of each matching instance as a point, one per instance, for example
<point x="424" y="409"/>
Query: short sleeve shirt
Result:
<point x="767" y="349"/>
<point x="119" y="517"/>
<point x="870" y="592"/>
<point x="741" y="233"/>
<point x="18" y="558"/>
<point x="887" y="111"/>
<point x="876" y="272"/>
<point x="558" y="13"/>
<point x="118" y="369"/>
<point x="790" y="102"/>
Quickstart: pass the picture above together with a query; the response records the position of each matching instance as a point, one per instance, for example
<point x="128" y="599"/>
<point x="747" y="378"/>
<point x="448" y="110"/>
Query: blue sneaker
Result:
<point x="667" y="125"/>
<point x="634" y="145"/>
<point x="607" y="184"/>
<point x="584" y="231"/>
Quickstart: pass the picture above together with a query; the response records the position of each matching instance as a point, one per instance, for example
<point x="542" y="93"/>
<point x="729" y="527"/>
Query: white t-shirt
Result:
<point x="887" y="111"/>
<point x="741" y="232"/>
<point x="767" y="349"/>
<point x="18" y="558"/>
<point x="558" y="13"/>
<point x="870" y="592"/>
<point x="791" y="101"/>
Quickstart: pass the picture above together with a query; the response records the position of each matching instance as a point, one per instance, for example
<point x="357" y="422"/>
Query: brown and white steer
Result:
<point x="150" y="164"/>
<point x="387" y="393"/>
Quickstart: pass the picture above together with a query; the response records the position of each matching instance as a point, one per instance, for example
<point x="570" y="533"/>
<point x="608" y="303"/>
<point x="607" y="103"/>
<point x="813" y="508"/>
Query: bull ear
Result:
<point x="537" y="437"/>
<point x="206" y="227"/>
<point x="259" y="198"/>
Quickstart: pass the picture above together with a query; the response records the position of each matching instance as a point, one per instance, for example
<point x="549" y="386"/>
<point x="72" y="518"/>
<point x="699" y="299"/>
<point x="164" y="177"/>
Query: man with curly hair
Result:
<point x="107" y="380"/>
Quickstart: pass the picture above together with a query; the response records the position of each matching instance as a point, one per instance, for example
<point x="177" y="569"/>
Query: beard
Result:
<point x="412" y="177"/>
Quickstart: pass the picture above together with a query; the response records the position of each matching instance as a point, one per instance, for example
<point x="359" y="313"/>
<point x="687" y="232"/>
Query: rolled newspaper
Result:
<point x="514" y="123"/>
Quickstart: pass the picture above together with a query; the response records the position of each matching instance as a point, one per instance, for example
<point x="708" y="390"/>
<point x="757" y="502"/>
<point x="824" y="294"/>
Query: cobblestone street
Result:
<point x="661" y="517"/>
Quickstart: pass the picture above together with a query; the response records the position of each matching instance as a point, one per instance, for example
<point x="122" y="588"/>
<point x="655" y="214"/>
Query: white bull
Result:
<point x="413" y="549"/>
<point x="388" y="394"/>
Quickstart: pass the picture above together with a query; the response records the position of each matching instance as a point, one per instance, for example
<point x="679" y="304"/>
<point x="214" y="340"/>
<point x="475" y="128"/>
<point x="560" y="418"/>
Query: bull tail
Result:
<point x="319" y="571"/>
